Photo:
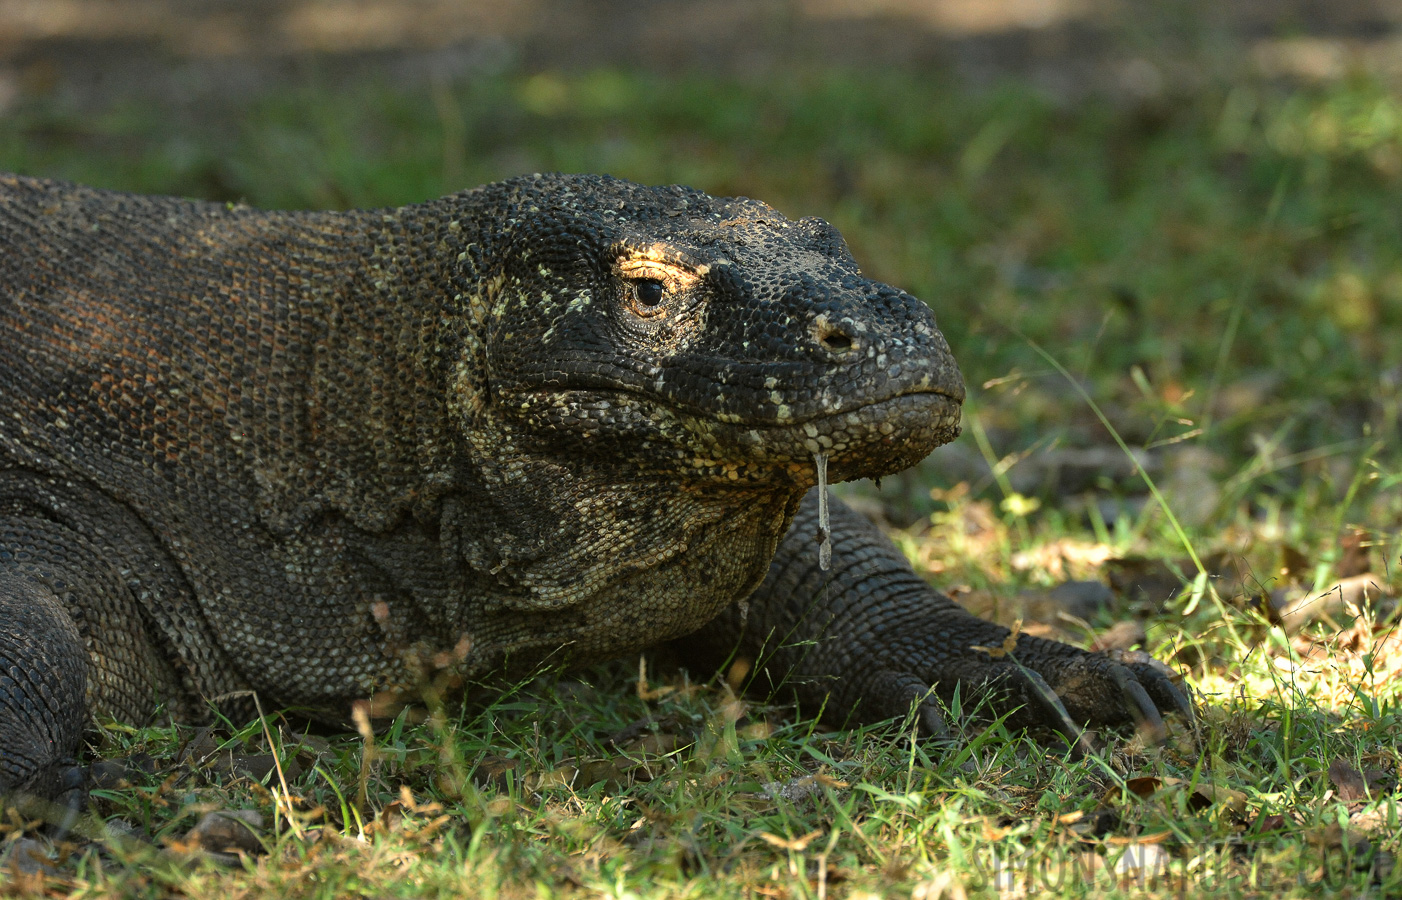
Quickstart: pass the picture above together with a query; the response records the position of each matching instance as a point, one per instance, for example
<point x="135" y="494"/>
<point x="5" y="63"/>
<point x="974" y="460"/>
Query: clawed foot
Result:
<point x="1036" y="682"/>
<point x="57" y="797"/>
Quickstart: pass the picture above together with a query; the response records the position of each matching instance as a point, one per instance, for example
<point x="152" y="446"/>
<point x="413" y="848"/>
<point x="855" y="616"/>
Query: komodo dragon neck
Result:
<point x="317" y="386"/>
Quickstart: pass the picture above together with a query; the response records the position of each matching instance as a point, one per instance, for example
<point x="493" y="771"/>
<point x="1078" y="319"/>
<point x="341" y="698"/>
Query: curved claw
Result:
<point x="1157" y="679"/>
<point x="1181" y="703"/>
<point x="1146" y="714"/>
<point x="1054" y="712"/>
<point x="891" y="695"/>
<point x="932" y="722"/>
<point x="1164" y="686"/>
<point x="72" y="797"/>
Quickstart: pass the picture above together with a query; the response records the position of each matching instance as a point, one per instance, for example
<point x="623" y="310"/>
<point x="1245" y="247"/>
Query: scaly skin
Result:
<point x="318" y="455"/>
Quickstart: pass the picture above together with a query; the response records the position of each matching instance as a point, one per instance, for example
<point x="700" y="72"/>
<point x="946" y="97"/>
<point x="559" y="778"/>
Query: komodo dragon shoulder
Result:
<point x="316" y="455"/>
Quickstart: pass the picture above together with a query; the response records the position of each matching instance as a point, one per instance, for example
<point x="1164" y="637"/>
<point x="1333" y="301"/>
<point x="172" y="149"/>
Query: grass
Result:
<point x="1213" y="277"/>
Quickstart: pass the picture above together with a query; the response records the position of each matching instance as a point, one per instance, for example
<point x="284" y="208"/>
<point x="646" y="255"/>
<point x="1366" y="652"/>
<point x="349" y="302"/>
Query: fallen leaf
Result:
<point x="1347" y="780"/>
<point x="601" y="771"/>
<point x="1354" y="550"/>
<point x="738" y="672"/>
<point x="1009" y="643"/>
<point x="644" y="692"/>
<point x="1061" y="558"/>
<point x="496" y="772"/>
<point x="1204" y="794"/>
<point x="1145" y="785"/>
<point x="554" y="778"/>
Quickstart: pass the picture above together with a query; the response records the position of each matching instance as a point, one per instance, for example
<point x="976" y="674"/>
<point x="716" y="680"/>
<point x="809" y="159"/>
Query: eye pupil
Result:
<point x="648" y="291"/>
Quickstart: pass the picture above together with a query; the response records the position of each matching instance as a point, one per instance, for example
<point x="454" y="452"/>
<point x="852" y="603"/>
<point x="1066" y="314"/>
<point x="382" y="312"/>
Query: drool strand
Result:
<point x="824" y="530"/>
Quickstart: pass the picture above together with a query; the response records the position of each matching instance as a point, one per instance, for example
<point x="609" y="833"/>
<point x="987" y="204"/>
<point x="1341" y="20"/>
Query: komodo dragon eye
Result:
<point x="648" y="294"/>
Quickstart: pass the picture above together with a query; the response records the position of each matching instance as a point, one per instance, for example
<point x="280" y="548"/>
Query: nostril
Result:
<point x="831" y="336"/>
<point x="836" y="340"/>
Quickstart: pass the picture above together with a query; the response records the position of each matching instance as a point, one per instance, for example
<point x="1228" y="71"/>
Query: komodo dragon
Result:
<point x="316" y="455"/>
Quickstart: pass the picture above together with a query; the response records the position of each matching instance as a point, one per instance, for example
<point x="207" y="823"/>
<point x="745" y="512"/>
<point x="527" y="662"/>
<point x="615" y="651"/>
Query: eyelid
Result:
<point x="672" y="275"/>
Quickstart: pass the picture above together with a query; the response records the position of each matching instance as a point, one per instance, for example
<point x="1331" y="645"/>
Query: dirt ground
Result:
<point x="193" y="53"/>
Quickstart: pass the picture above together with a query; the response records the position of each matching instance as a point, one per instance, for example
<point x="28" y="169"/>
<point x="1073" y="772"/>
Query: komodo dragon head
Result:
<point x="665" y="365"/>
<point x="673" y="333"/>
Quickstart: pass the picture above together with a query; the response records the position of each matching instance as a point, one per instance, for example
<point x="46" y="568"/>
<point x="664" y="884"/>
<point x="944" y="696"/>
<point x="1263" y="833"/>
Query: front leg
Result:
<point x="869" y="637"/>
<point x="73" y="641"/>
<point x="43" y="675"/>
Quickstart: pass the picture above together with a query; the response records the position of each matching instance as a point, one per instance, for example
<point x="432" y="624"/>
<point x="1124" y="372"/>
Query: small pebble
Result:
<point x="229" y="831"/>
<point x="28" y="857"/>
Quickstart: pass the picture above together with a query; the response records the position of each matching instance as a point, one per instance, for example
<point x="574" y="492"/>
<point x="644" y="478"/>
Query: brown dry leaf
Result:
<point x="496" y="772"/>
<point x="1347" y="780"/>
<point x="659" y="744"/>
<point x="429" y="829"/>
<point x="602" y="771"/>
<point x="738" y="672"/>
<point x="1294" y="565"/>
<point x="1082" y="600"/>
<point x="945" y="884"/>
<point x="1009" y="643"/>
<point x="797" y="845"/>
<point x="762" y="730"/>
<point x="1354" y="548"/>
<point x="389" y="818"/>
<point x="644" y="692"/>
<point x="406" y="797"/>
<point x="1144" y="785"/>
<point x="554" y="778"/>
<point x="1204" y="794"/>
<point x="1335" y="836"/>
<point x="1371" y="822"/>
<point x="1218" y="797"/>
